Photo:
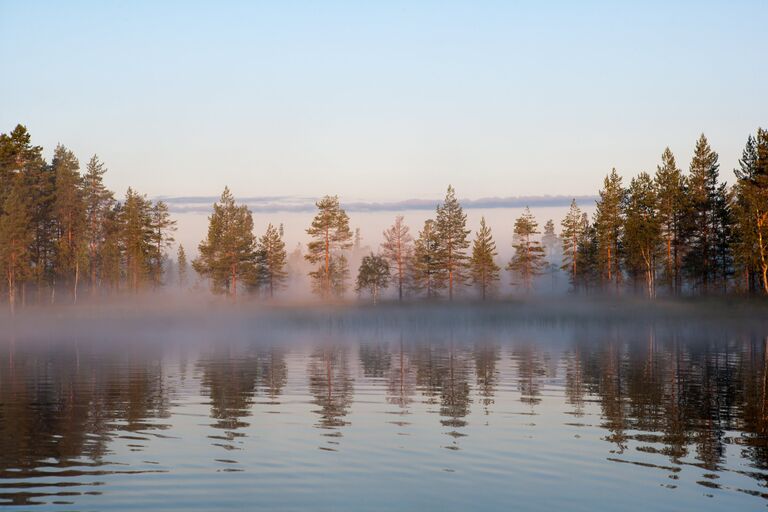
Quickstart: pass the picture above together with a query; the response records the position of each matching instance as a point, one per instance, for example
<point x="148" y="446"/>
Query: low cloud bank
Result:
<point x="266" y="204"/>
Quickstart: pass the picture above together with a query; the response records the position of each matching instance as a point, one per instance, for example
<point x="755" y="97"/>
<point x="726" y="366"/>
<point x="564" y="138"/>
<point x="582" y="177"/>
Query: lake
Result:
<point x="562" y="416"/>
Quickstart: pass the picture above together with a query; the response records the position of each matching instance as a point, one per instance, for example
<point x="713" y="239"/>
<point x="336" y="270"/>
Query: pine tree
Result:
<point x="111" y="254"/>
<point x="397" y="248"/>
<point x="701" y="260"/>
<point x="98" y="201"/>
<point x="272" y="260"/>
<point x="182" y="267"/>
<point x="761" y="204"/>
<point x="571" y="236"/>
<point x="642" y="233"/>
<point x="483" y="268"/>
<point x="451" y="225"/>
<point x="16" y="234"/>
<point x="135" y="238"/>
<point x="672" y="207"/>
<point x="331" y="235"/>
<point x="373" y="275"/>
<point x="724" y="238"/>
<point x="40" y="181"/>
<point x="18" y="157"/>
<point x="228" y="254"/>
<point x="528" y="260"/>
<point x="609" y="219"/>
<point x="339" y="272"/>
<point x="750" y="210"/>
<point x="588" y="271"/>
<point x="550" y="242"/>
<point x="161" y="237"/>
<point x="428" y="272"/>
<point x="549" y="239"/>
<point x="69" y="210"/>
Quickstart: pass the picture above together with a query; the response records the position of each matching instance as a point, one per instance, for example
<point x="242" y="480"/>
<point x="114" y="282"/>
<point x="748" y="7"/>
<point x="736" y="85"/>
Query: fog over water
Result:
<point x="543" y="405"/>
<point x="192" y="228"/>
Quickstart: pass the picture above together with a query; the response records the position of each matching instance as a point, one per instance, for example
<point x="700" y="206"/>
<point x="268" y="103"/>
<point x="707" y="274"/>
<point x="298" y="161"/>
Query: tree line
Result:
<point x="63" y="232"/>
<point x="672" y="233"/>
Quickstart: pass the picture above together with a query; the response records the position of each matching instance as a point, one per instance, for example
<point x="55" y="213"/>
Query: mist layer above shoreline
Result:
<point x="211" y="321"/>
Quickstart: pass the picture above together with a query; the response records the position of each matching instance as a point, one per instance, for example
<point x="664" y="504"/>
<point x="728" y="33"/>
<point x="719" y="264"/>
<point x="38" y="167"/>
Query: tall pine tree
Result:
<point x="483" y="268"/>
<point x="451" y="223"/>
<point x="428" y="271"/>
<point x="641" y="233"/>
<point x="571" y="236"/>
<point x="672" y="208"/>
<point x="702" y="222"/>
<point x="330" y="237"/>
<point x="609" y="221"/>
<point x="528" y="260"/>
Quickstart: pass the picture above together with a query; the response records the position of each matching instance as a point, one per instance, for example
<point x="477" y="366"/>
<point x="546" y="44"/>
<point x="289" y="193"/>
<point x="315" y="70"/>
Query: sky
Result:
<point x="382" y="101"/>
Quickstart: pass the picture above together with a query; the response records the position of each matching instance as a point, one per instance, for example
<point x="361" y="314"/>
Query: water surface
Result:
<point x="556" y="418"/>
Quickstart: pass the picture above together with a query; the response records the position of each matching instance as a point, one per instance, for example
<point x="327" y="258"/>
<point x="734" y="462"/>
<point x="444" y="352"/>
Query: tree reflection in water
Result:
<point x="659" y="398"/>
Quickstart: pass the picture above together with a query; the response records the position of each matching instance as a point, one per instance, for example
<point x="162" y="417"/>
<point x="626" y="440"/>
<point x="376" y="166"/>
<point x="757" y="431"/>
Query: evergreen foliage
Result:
<point x="528" y="260"/>
<point x="451" y="223"/>
<point x="272" y="259"/>
<point x="484" y="270"/>
<point x="609" y="222"/>
<point x="330" y="237"/>
<point x="228" y="254"/>
<point x="428" y="270"/>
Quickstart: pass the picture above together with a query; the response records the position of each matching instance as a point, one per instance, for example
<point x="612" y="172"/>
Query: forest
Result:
<point x="65" y="238"/>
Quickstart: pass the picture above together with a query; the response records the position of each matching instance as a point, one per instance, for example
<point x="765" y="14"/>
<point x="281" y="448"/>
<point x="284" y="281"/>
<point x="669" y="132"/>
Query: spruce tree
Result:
<point x="373" y="275"/>
<point x="609" y="219"/>
<point x="528" y="260"/>
<point x="331" y="236"/>
<point x="701" y="261"/>
<point x="750" y="211"/>
<point x="162" y="228"/>
<point x="571" y="235"/>
<point x="588" y="272"/>
<point x="428" y="271"/>
<point x="397" y="248"/>
<point x="339" y="273"/>
<point x="228" y="254"/>
<point x="642" y="233"/>
<point x="135" y="238"/>
<point x="724" y="236"/>
<point x="672" y="207"/>
<point x="549" y="239"/>
<point x="483" y="268"/>
<point x="98" y="201"/>
<point x="69" y="210"/>
<point x="111" y="254"/>
<point x="182" y="266"/>
<point x="761" y="201"/>
<point x="16" y="234"/>
<point x="451" y="225"/>
<point x="18" y="157"/>
<point x="272" y="260"/>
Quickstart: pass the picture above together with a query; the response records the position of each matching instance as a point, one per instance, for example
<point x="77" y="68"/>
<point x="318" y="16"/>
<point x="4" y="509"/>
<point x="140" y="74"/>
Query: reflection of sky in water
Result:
<point x="628" y="421"/>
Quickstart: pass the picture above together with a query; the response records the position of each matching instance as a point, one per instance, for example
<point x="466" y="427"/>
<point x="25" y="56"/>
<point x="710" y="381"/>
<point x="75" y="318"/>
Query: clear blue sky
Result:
<point x="382" y="100"/>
